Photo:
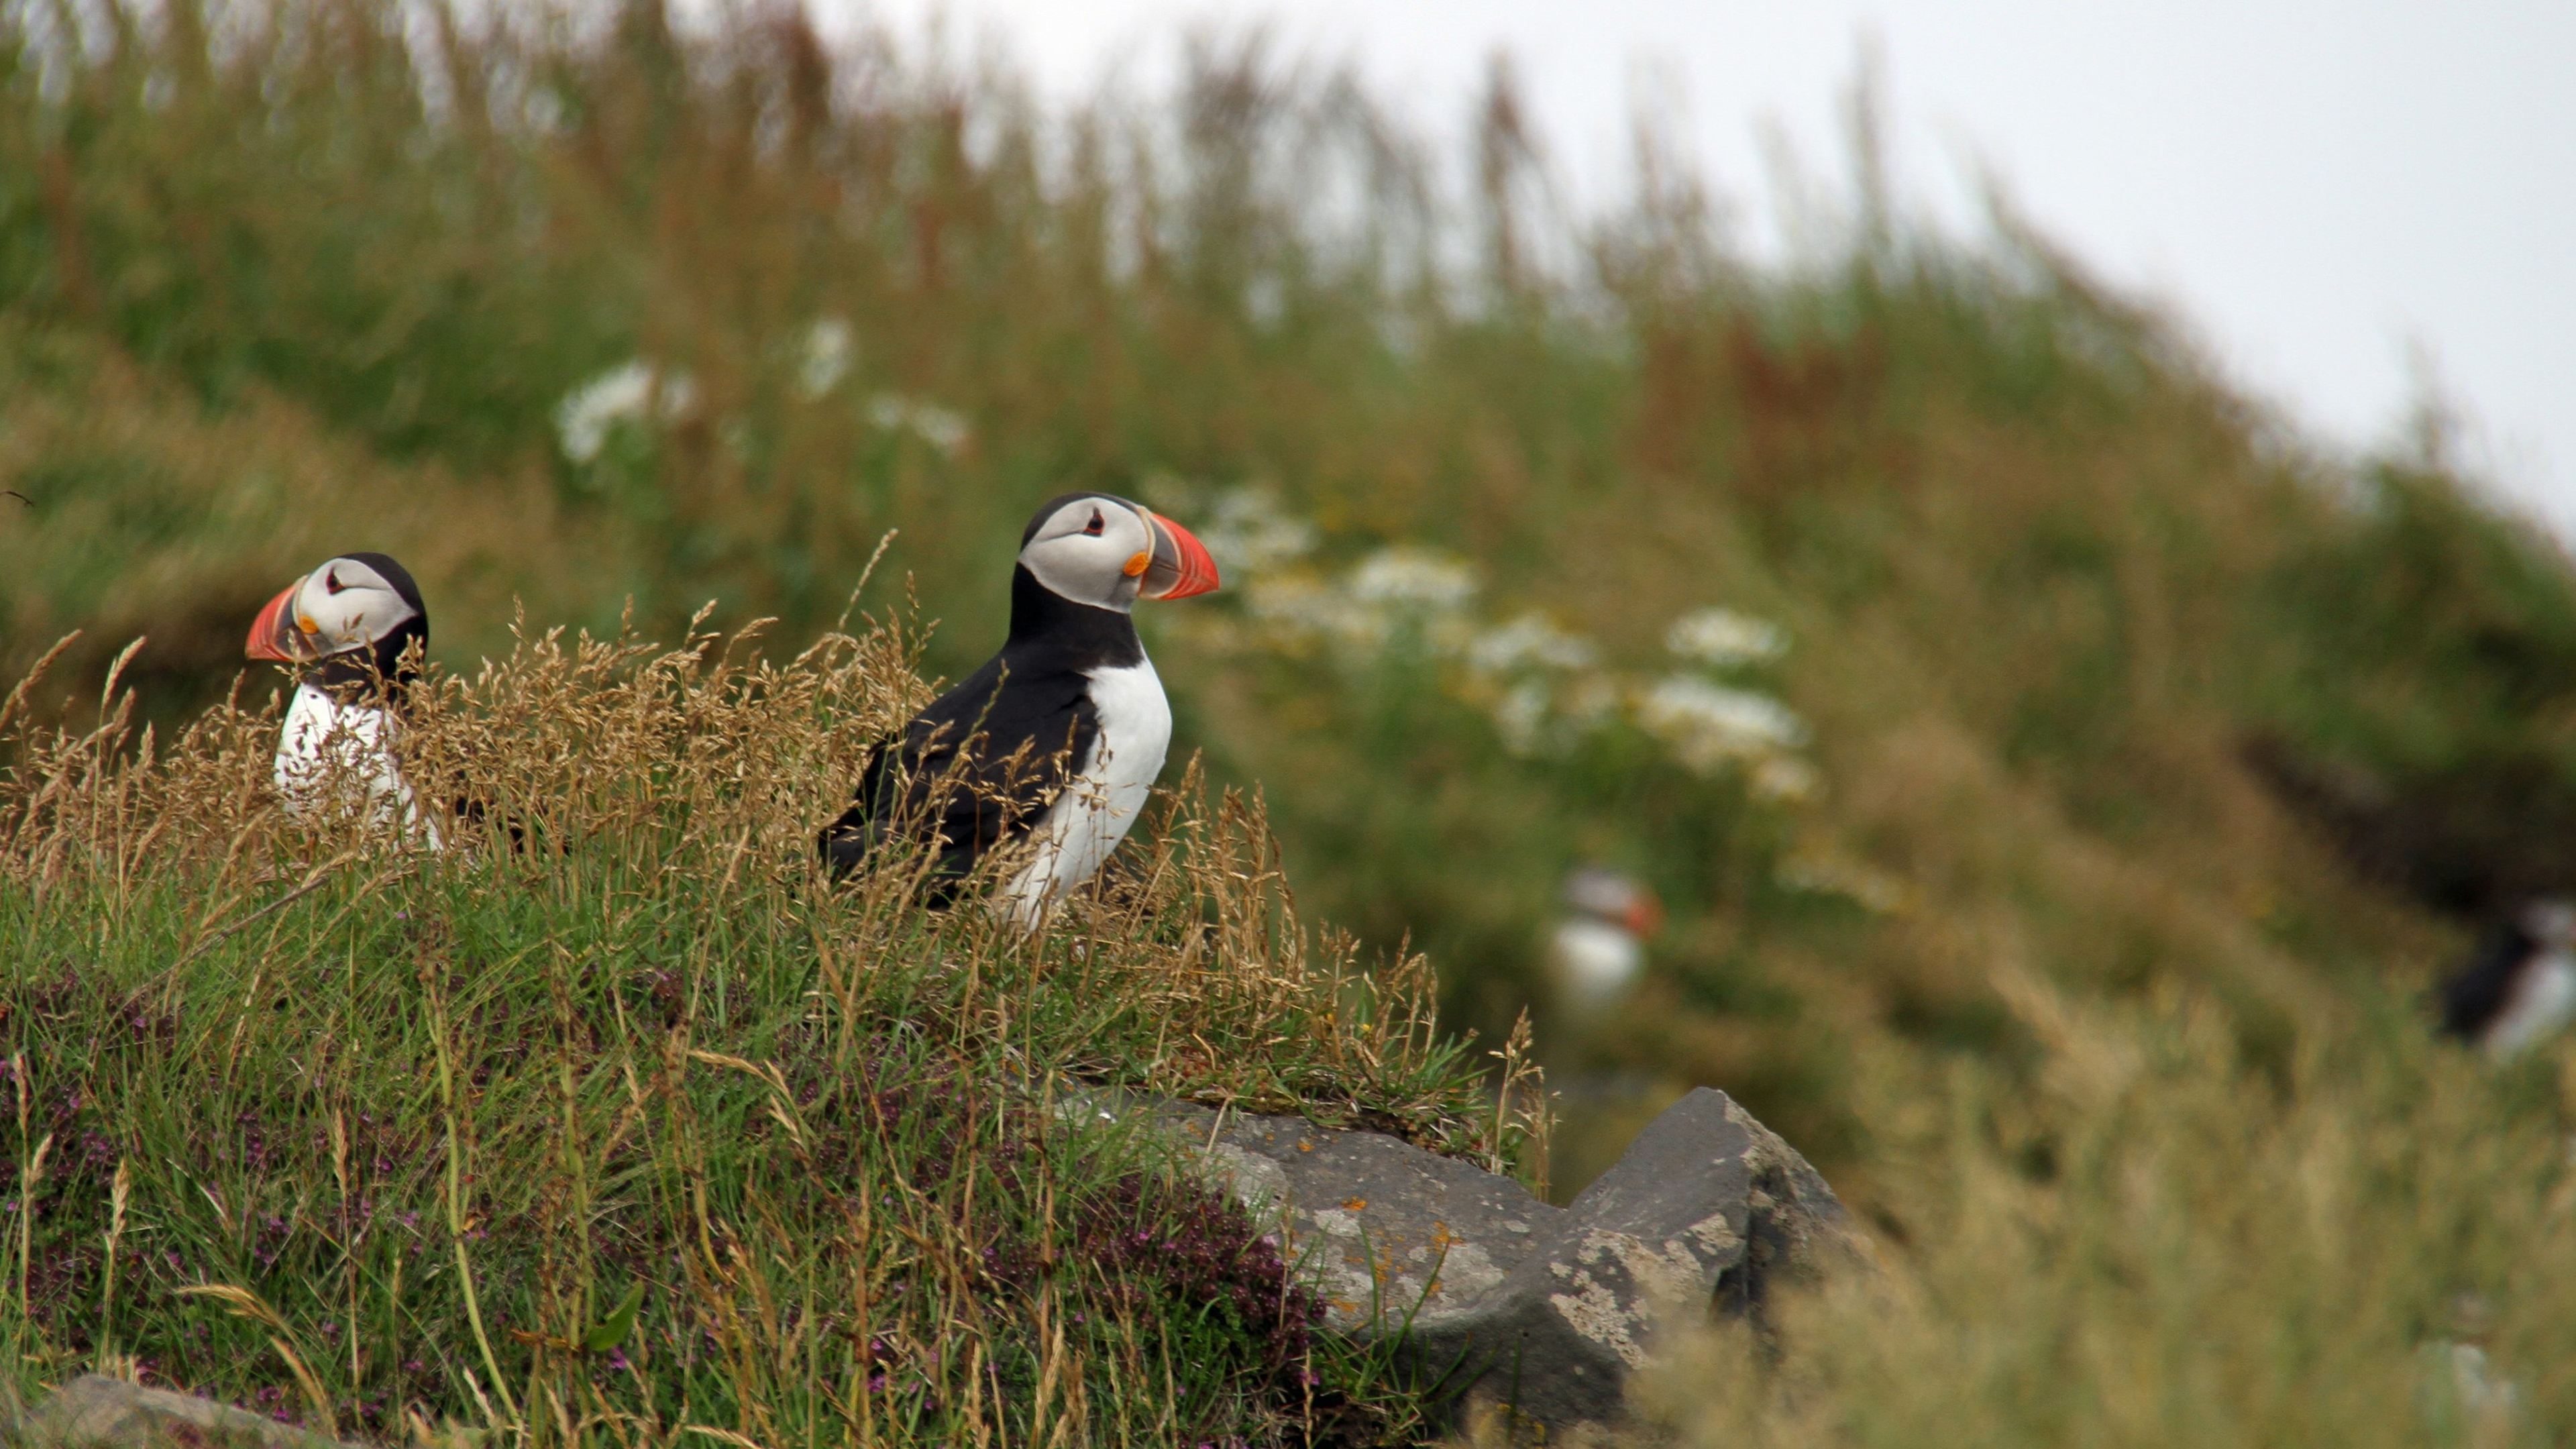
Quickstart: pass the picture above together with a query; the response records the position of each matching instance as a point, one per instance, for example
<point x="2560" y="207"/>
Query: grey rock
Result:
<point x="1508" y="1301"/>
<point x="1707" y="1210"/>
<point x="1385" y="1231"/>
<point x="96" y="1412"/>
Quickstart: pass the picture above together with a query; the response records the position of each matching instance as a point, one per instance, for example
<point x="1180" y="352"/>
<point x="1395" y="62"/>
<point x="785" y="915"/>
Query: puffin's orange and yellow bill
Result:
<point x="276" y="634"/>
<point x="1645" y="916"/>
<point x="1180" y="567"/>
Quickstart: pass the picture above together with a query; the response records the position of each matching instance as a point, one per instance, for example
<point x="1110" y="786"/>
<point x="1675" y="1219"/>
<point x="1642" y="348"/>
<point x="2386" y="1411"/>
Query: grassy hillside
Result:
<point x="636" y="1130"/>
<point x="1996" y="698"/>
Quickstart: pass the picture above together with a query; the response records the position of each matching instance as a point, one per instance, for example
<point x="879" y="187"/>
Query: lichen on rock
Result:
<point x="1505" y="1301"/>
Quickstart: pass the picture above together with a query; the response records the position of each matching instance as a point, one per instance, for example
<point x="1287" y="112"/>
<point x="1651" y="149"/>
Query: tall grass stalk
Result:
<point x="459" y="1218"/>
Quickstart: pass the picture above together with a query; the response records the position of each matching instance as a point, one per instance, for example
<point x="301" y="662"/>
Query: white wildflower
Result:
<point x="830" y="347"/>
<point x="1248" y="533"/>
<point x="2483" y="1391"/>
<point x="1413" y="579"/>
<point x="942" y="428"/>
<point x="1710" y="725"/>
<point x="1395" y="590"/>
<point x="1521" y="717"/>
<point x="627" y="393"/>
<point x="1531" y="641"/>
<point x="1300" y="608"/>
<point x="1265" y="300"/>
<point x="2464" y="1397"/>
<point x="1725" y="638"/>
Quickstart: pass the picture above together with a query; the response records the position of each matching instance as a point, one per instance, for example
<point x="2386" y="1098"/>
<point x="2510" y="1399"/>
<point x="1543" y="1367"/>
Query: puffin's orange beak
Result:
<point x="1645" y="915"/>
<point x="277" y="634"/>
<point x="1180" y="567"/>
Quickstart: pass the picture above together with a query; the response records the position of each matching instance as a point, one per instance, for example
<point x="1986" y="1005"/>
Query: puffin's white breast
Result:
<point x="2543" y="1000"/>
<point x="1594" y="961"/>
<point x="335" y="759"/>
<point x="1104" y="797"/>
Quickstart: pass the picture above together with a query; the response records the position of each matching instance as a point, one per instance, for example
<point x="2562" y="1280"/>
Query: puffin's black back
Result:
<point x="2479" y="990"/>
<point x="985" y="760"/>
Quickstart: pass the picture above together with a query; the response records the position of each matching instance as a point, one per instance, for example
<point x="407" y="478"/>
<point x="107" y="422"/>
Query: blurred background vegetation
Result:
<point x="1914" y="615"/>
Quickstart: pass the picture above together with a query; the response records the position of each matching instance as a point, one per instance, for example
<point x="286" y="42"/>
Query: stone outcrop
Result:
<point x="96" y="1412"/>
<point x="1508" y="1301"/>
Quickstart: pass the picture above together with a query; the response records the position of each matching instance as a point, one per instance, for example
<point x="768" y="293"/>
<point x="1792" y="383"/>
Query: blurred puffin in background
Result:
<point x="348" y="630"/>
<point x="1596" y="952"/>
<point x="2520" y="986"/>
<point x="1056" y="741"/>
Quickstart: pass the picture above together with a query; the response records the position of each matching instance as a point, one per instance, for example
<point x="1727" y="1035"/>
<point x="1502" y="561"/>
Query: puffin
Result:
<point x="1600" y="945"/>
<point x="348" y="630"/>
<point x="2520" y="985"/>
<point x="1055" y="742"/>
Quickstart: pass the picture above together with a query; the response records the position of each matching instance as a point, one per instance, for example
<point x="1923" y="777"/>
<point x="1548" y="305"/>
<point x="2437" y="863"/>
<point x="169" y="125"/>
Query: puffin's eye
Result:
<point x="331" y="581"/>
<point x="1095" y="525"/>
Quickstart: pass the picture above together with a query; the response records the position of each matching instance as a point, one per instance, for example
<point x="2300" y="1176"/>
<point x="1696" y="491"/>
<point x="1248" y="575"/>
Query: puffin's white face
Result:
<point x="2551" y="921"/>
<point x="1107" y="552"/>
<point x="346" y="604"/>
<point x="1623" y="901"/>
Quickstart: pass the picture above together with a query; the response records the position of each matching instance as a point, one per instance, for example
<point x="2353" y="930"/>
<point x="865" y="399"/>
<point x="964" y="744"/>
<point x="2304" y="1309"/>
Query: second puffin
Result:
<point x="1055" y="742"/>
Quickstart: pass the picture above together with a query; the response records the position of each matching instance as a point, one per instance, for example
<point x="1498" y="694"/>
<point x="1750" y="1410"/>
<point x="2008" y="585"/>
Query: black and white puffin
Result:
<point x="348" y="629"/>
<point x="2520" y="987"/>
<point x="1055" y="742"/>
<point x="1599" y="947"/>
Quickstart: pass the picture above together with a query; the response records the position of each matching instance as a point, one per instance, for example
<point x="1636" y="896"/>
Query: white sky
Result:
<point x="2322" y="189"/>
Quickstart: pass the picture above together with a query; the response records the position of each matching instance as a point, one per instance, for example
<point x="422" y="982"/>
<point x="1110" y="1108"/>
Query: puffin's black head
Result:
<point x="1102" y="550"/>
<point x="359" y="609"/>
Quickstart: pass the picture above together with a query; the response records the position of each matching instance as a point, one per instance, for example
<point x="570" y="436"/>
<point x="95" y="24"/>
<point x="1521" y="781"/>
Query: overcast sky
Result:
<point x="2327" y="191"/>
